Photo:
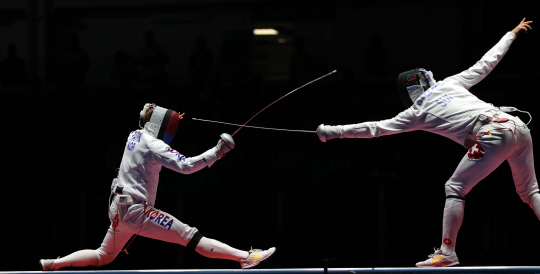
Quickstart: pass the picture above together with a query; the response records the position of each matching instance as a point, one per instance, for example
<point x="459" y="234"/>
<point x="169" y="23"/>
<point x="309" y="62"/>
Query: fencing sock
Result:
<point x="452" y="220"/>
<point x="79" y="258"/>
<point x="215" y="249"/>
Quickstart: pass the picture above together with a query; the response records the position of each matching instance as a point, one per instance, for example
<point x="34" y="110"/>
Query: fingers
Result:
<point x="523" y="22"/>
<point x="525" y="28"/>
<point x="524" y="25"/>
<point x="181" y="116"/>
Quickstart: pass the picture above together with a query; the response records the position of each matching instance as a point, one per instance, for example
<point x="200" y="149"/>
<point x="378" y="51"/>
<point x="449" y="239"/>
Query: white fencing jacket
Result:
<point x="447" y="108"/>
<point x="143" y="158"/>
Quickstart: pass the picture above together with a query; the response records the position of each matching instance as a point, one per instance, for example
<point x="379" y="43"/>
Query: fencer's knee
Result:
<point x="194" y="240"/>
<point x="104" y="258"/>
<point x="454" y="191"/>
<point x="455" y="197"/>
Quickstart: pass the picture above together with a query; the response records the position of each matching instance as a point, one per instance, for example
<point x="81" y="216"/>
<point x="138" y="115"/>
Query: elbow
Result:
<point x="187" y="171"/>
<point x="182" y="169"/>
<point x="191" y="168"/>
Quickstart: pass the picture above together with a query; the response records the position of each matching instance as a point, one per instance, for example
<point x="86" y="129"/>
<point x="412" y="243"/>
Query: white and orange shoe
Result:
<point x="438" y="259"/>
<point x="256" y="256"/>
<point x="47" y="265"/>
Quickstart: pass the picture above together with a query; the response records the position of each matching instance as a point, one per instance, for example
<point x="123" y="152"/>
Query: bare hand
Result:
<point x="524" y="25"/>
<point x="181" y="116"/>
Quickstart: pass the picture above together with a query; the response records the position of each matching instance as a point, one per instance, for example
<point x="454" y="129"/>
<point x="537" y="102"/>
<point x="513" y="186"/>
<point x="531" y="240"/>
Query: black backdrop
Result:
<point x="362" y="203"/>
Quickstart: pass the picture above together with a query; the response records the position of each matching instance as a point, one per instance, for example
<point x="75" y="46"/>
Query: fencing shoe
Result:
<point x="47" y="265"/>
<point x="256" y="256"/>
<point x="438" y="259"/>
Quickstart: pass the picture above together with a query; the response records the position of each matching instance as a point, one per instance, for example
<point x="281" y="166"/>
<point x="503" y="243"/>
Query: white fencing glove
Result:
<point x="224" y="145"/>
<point x="329" y="132"/>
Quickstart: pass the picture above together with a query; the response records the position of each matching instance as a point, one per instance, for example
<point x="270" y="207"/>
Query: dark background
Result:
<point x="362" y="203"/>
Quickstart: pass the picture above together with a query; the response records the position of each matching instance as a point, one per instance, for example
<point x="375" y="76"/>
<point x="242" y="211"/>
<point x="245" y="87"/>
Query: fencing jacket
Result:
<point x="447" y="108"/>
<point x="143" y="158"/>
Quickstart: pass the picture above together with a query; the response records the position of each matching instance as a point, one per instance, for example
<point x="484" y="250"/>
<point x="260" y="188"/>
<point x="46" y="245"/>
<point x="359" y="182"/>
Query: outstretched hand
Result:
<point x="524" y="25"/>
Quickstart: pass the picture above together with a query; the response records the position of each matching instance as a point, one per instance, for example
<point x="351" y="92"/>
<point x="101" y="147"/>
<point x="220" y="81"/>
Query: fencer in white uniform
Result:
<point x="447" y="108"/>
<point x="133" y="194"/>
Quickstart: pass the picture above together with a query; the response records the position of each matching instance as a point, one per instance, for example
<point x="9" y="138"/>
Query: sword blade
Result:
<point x="332" y="72"/>
<point x="268" y="128"/>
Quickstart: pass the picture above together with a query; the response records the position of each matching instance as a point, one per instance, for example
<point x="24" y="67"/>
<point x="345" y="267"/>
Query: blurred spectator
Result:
<point x="201" y="62"/>
<point x="152" y="59"/>
<point x="12" y="69"/>
<point x="73" y="63"/>
<point x="123" y="71"/>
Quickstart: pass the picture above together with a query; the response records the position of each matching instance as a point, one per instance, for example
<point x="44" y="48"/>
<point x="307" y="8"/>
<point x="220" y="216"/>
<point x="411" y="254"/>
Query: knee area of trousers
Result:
<point x="194" y="240"/>
<point x="452" y="190"/>
<point x="104" y="258"/>
<point x="455" y="197"/>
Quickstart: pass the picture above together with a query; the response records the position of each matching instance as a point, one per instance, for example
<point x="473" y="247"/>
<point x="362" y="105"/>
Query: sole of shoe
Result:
<point x="452" y="264"/>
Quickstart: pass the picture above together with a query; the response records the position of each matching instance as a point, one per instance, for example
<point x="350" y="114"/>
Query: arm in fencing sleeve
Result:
<point x="485" y="65"/>
<point x="172" y="159"/>
<point x="403" y="122"/>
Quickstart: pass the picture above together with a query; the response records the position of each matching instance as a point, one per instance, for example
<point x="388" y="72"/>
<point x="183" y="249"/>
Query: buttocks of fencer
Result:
<point x="521" y="127"/>
<point x="494" y="145"/>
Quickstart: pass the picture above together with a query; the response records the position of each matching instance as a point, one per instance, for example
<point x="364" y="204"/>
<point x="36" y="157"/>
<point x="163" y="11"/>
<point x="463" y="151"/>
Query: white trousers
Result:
<point x="510" y="141"/>
<point x="496" y="142"/>
<point x="158" y="225"/>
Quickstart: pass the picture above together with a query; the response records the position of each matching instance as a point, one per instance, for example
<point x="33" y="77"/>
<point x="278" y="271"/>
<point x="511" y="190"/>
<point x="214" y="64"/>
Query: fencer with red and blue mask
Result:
<point x="163" y="121"/>
<point x="147" y="151"/>
<point x="132" y="208"/>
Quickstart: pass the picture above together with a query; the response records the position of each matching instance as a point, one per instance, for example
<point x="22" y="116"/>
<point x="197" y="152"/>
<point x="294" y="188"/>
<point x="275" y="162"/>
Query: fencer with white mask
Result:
<point x="447" y="108"/>
<point x="133" y="196"/>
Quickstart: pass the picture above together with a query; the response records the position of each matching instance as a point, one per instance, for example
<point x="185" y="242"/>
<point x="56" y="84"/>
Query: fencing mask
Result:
<point x="163" y="121"/>
<point x="412" y="84"/>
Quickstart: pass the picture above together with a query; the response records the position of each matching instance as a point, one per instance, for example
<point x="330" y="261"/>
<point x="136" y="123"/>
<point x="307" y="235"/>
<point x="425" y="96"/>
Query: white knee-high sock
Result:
<point x="452" y="220"/>
<point x="79" y="258"/>
<point x="215" y="249"/>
